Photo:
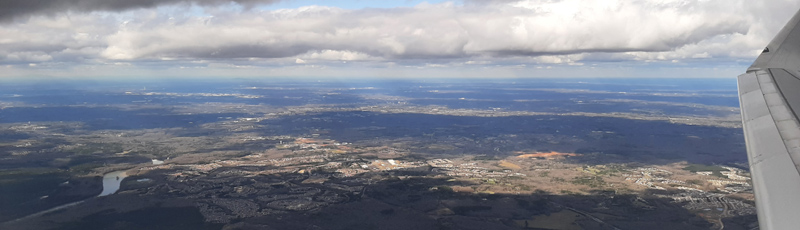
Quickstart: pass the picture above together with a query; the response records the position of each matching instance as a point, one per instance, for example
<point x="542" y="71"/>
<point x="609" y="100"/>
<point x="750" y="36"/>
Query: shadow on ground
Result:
<point x="411" y="199"/>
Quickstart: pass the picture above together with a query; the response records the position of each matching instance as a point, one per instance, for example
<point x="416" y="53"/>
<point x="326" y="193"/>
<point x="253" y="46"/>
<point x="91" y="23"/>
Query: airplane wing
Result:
<point x="769" y="96"/>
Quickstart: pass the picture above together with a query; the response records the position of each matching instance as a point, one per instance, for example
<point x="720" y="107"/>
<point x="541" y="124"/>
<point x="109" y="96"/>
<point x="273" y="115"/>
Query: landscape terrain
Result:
<point x="374" y="154"/>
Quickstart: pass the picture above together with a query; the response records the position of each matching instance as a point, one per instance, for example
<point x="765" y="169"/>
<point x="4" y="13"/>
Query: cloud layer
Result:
<point x="17" y="8"/>
<point x="484" y="33"/>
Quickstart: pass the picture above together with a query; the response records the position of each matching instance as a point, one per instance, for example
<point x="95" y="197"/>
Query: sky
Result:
<point x="133" y="39"/>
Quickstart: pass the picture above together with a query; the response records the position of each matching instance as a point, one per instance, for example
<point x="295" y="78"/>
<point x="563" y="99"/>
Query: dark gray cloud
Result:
<point x="16" y="8"/>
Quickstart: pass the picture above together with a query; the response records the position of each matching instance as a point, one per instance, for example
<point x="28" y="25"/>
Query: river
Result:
<point x="111" y="182"/>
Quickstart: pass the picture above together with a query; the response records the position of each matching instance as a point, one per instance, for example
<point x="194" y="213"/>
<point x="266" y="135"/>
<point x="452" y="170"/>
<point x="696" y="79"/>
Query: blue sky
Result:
<point x="385" y="39"/>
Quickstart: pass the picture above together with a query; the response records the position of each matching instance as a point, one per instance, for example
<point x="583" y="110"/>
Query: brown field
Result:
<point x="552" y="154"/>
<point x="509" y="165"/>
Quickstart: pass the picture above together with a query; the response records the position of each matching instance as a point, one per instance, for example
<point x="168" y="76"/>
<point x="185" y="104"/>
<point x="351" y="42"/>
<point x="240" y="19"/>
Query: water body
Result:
<point x="111" y="182"/>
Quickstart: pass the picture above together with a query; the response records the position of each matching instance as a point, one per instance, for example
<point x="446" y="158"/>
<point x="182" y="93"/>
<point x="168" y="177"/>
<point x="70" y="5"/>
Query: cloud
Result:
<point x="15" y="8"/>
<point x="58" y="39"/>
<point x="524" y="28"/>
<point x="475" y="33"/>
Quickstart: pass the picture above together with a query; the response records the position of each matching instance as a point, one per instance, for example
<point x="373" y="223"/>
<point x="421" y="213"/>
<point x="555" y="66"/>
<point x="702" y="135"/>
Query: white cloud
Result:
<point x="486" y="33"/>
<point x="337" y="55"/>
<point x="531" y="28"/>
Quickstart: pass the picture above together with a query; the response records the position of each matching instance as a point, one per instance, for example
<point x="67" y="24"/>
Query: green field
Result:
<point x="714" y="169"/>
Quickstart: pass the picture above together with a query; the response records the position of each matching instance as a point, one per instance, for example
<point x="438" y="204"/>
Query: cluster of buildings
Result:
<point x="238" y="95"/>
<point x="717" y="203"/>
<point x="723" y="206"/>
<point x="470" y="170"/>
<point x="648" y="177"/>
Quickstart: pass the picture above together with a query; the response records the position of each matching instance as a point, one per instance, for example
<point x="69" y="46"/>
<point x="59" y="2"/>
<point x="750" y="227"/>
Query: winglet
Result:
<point x="783" y="51"/>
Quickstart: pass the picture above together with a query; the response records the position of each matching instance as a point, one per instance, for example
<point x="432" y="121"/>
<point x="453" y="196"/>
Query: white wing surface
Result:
<point x="769" y="95"/>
